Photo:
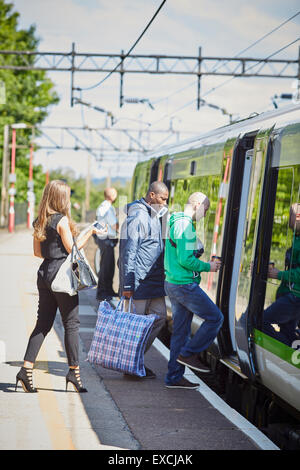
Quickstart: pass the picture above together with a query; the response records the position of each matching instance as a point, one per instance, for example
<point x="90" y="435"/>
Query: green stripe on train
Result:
<point x="290" y="355"/>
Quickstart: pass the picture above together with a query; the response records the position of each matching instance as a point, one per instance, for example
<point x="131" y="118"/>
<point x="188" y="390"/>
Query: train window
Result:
<point x="141" y="179"/>
<point x="281" y="235"/>
<point x="281" y="318"/>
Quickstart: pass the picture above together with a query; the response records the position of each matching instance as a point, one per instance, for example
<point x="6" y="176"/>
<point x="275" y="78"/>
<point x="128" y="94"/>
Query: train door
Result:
<point x="244" y="248"/>
<point x="240" y="240"/>
<point x="238" y="183"/>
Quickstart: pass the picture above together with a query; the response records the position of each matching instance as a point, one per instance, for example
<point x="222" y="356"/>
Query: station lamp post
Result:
<point x="12" y="179"/>
<point x="30" y="193"/>
<point x="47" y="167"/>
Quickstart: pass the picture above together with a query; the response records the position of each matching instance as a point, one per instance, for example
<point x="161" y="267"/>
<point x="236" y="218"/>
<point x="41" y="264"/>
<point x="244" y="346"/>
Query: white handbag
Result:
<point x="63" y="281"/>
<point x="75" y="274"/>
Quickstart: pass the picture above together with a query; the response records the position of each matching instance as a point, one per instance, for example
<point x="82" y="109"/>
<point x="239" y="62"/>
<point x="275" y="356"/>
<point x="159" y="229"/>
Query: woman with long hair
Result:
<point x="53" y="240"/>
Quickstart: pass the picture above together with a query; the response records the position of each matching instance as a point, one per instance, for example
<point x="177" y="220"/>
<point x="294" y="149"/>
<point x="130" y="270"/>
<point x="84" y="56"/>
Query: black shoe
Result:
<point x="184" y="383"/>
<point x="25" y="377"/>
<point x="73" y="376"/>
<point x="149" y="374"/>
<point x="193" y="362"/>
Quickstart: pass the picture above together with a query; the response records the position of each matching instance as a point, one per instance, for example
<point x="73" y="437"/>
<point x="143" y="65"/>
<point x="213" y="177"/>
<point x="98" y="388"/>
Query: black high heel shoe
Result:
<point x="73" y="376"/>
<point x="25" y="377"/>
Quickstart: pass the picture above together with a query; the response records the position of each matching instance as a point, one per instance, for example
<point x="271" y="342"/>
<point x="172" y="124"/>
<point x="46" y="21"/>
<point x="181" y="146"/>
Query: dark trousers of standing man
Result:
<point x="107" y="268"/>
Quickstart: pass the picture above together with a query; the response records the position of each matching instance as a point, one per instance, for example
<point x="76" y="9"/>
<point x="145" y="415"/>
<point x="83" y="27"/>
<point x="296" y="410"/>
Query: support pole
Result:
<point x="88" y="183"/>
<point x="199" y="79"/>
<point x="30" y="193"/>
<point x="121" y="79"/>
<point x="72" y="73"/>
<point x="12" y="191"/>
<point x="298" y="82"/>
<point x="5" y="172"/>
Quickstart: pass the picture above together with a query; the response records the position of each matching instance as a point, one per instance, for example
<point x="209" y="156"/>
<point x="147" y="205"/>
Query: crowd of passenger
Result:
<point x="151" y="267"/>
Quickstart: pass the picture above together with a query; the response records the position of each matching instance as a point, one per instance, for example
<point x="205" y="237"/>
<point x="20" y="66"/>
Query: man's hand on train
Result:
<point x="215" y="265"/>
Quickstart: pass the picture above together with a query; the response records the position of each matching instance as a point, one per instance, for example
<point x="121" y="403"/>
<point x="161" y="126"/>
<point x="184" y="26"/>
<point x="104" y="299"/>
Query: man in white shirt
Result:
<point x="106" y="215"/>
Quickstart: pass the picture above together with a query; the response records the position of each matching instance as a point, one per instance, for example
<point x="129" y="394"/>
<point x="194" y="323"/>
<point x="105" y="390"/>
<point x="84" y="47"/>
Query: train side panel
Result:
<point x="250" y="172"/>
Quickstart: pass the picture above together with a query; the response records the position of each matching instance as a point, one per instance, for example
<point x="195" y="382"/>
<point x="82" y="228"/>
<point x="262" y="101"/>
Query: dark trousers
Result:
<point x="107" y="267"/>
<point x="187" y="300"/>
<point x="48" y="303"/>
<point x="284" y="312"/>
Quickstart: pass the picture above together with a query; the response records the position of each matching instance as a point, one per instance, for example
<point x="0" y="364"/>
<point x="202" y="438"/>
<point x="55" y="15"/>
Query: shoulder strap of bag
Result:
<point x="121" y="306"/>
<point x="75" y="251"/>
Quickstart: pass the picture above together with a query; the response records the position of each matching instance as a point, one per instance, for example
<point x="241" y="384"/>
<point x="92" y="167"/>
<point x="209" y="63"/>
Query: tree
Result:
<point x="28" y="94"/>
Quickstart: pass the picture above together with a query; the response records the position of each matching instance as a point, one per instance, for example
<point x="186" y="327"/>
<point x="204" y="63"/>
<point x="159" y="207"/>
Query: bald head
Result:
<point x="157" y="187"/>
<point x="197" y="198"/>
<point x="294" y="221"/>
<point x="157" y="194"/>
<point x="197" y="205"/>
<point x="110" y="194"/>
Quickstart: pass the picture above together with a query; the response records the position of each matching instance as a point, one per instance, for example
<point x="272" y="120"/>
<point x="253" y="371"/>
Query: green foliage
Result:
<point x="28" y="94"/>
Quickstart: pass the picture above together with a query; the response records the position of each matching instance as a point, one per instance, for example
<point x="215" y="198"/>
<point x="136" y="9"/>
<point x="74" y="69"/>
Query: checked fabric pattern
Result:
<point x="119" y="339"/>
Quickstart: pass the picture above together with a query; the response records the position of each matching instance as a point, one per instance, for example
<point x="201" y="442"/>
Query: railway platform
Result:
<point x="119" y="412"/>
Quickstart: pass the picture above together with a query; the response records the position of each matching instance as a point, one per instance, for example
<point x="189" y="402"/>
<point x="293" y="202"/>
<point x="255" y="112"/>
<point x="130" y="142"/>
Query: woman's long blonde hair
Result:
<point x="55" y="198"/>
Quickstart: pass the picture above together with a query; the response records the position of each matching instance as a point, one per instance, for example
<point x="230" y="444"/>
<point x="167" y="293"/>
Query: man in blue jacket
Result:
<point x="141" y="259"/>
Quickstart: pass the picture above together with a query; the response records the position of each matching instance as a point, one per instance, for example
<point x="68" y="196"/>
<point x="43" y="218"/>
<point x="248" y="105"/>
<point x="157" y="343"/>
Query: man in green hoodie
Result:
<point x="183" y="275"/>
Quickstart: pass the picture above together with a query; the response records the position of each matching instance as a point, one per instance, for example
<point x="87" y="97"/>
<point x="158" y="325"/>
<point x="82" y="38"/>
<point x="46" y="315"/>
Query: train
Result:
<point x="250" y="171"/>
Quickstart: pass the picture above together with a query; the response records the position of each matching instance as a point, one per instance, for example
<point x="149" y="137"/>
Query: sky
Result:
<point x="221" y="29"/>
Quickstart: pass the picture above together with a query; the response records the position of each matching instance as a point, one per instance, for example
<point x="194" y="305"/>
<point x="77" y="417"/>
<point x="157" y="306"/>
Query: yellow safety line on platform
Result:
<point x="59" y="434"/>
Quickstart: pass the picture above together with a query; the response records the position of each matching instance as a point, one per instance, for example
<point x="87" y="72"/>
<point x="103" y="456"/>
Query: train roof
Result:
<point x="265" y="120"/>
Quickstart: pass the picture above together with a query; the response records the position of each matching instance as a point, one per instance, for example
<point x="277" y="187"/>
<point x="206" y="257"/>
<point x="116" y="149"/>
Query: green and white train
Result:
<point x="250" y="170"/>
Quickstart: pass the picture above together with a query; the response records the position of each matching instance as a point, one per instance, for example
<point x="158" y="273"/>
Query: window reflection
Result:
<point x="282" y="305"/>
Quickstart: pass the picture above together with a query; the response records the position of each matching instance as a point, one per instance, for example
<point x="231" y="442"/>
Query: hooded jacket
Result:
<point x="290" y="278"/>
<point x="141" y="251"/>
<point x="181" y="265"/>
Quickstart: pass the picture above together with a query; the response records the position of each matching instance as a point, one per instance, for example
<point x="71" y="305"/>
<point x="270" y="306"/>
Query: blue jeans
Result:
<point x="285" y="312"/>
<point x="186" y="300"/>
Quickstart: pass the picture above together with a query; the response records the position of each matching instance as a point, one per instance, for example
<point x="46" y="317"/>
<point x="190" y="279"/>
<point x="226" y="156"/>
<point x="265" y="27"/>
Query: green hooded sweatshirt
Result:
<point x="181" y="265"/>
<point x="290" y="279"/>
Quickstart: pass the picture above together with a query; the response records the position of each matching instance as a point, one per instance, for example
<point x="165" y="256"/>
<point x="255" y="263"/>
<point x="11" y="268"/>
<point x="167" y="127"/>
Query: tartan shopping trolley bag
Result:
<point x="120" y="338"/>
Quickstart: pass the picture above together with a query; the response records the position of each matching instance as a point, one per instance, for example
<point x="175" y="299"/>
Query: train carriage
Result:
<point x="250" y="171"/>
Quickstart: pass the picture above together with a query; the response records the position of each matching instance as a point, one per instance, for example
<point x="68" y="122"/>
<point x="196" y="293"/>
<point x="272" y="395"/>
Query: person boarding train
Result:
<point x="183" y="276"/>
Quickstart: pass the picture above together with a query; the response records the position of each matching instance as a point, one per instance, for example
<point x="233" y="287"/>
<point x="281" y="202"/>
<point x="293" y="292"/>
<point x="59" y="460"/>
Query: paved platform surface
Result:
<point x="118" y="412"/>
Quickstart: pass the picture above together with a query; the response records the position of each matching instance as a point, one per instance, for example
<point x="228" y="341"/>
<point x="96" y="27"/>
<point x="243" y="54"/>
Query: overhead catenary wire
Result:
<point x="260" y="39"/>
<point x="252" y="66"/>
<point x="130" y="50"/>
<point x="169" y="115"/>
<point x="257" y="41"/>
